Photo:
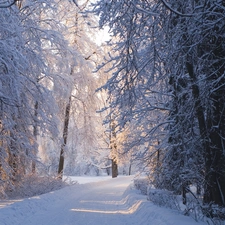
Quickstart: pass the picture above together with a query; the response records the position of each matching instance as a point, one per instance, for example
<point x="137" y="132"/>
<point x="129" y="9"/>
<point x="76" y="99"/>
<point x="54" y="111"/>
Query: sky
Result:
<point x="91" y="201"/>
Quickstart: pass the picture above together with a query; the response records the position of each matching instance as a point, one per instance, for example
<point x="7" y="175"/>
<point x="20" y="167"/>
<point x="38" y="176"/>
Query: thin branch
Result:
<point x="88" y="57"/>
<point x="175" y="11"/>
<point x="144" y="11"/>
<point x="6" y="4"/>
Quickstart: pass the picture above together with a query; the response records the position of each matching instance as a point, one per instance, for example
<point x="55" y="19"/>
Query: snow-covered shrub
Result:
<point x="32" y="185"/>
<point x="215" y="213"/>
<point x="142" y="185"/>
<point x="163" y="198"/>
<point x="193" y="206"/>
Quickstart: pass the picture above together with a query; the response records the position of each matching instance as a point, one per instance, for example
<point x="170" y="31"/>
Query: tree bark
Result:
<point x="113" y="147"/>
<point x="114" y="168"/>
<point x="130" y="166"/>
<point x="13" y="158"/>
<point x="35" y="133"/>
<point x="65" y="135"/>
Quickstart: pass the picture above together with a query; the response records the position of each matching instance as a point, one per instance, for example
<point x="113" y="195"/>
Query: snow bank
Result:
<point x="33" y="185"/>
<point x="193" y="208"/>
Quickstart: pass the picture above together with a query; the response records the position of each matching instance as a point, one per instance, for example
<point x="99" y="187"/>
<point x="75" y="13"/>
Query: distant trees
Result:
<point x="168" y="79"/>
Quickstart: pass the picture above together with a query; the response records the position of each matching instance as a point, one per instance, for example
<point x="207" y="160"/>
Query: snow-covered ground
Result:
<point x="86" y="179"/>
<point x="94" y="201"/>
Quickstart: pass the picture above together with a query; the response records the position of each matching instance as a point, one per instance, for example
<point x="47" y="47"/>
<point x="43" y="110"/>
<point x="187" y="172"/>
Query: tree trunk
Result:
<point x="129" y="172"/>
<point x="13" y="163"/>
<point x="35" y="133"/>
<point x="114" y="168"/>
<point x="113" y="147"/>
<point x="65" y="135"/>
<point x="184" y="196"/>
<point x="13" y="159"/>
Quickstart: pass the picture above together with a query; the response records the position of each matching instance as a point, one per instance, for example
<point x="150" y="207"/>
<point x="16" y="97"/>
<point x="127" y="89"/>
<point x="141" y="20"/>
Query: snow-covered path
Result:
<point x="100" y="203"/>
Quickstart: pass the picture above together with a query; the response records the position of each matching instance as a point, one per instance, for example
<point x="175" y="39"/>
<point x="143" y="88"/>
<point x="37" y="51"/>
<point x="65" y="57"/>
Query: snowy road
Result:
<point x="101" y="203"/>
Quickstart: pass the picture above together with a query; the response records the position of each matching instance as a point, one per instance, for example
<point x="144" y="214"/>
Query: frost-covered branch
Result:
<point x="7" y="4"/>
<point x="168" y="6"/>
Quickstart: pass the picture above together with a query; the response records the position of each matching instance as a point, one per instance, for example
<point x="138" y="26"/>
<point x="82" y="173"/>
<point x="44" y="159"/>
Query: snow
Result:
<point x="86" y="179"/>
<point x="94" y="201"/>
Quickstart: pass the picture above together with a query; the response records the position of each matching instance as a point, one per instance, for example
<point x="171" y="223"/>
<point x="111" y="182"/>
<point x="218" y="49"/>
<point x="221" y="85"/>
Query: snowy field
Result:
<point x="93" y="201"/>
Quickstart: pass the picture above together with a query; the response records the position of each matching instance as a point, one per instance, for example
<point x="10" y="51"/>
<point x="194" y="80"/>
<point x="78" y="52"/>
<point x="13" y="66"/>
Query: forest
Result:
<point x="147" y="98"/>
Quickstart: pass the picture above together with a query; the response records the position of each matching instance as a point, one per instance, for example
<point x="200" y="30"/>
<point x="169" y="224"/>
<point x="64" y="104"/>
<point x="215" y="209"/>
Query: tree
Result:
<point x="163" y="50"/>
<point x="204" y="67"/>
<point x="65" y="135"/>
<point x="39" y="46"/>
<point x="16" y="137"/>
<point x="113" y="148"/>
<point x="81" y="151"/>
<point x="136" y="72"/>
<point x="27" y="51"/>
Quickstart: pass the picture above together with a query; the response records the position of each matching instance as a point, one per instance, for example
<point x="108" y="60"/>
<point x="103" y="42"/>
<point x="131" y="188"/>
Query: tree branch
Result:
<point x="168" y="6"/>
<point x="7" y="4"/>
